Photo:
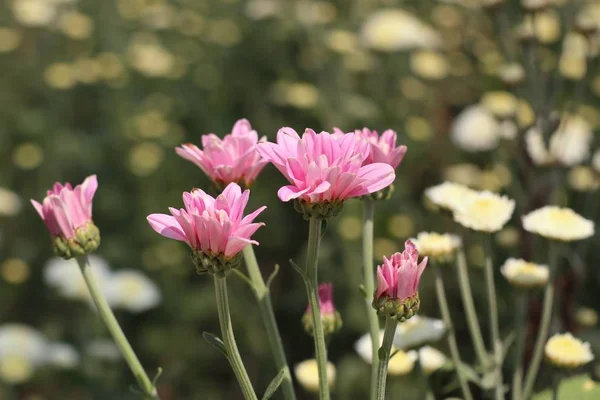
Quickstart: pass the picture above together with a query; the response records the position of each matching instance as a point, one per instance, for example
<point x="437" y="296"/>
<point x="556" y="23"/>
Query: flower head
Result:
<point x="448" y="195"/>
<point x="307" y="374"/>
<point x="214" y="228"/>
<point x="134" y="291"/>
<point x="438" y="247"/>
<point x="398" y="282"/>
<point x="382" y="148"/>
<point x="486" y="211"/>
<point x="475" y="129"/>
<point x="558" y="223"/>
<point x="418" y="331"/>
<point x="67" y="213"/>
<point x="525" y="275"/>
<point x="567" y="352"/>
<point x="431" y="359"/>
<point x="22" y="350"/>
<point x="324" y="169"/>
<point x="330" y="317"/>
<point x="232" y="159"/>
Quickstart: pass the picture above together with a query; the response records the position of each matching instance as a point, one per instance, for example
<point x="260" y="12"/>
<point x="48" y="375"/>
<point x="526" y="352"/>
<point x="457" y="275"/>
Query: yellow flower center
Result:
<point x="15" y="369"/>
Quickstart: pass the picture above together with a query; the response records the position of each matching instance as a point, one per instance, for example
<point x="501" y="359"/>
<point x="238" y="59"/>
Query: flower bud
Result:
<point x="383" y="194"/>
<point x="67" y="213"/>
<point x="215" y="264"/>
<point x="397" y="295"/>
<point x="330" y="317"/>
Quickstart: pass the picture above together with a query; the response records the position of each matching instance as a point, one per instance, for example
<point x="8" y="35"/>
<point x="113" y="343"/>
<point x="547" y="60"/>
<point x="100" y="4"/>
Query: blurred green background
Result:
<point x="111" y="87"/>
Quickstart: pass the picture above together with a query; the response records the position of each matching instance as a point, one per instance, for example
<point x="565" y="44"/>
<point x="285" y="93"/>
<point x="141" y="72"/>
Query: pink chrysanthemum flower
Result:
<point x="331" y="319"/>
<point x="232" y="159"/>
<point x="382" y="148"/>
<point x="398" y="283"/>
<point x="214" y="228"/>
<point x="67" y="213"/>
<point x="324" y="168"/>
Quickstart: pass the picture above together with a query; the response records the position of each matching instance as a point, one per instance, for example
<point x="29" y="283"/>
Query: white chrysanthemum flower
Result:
<point x="261" y="9"/>
<point x="475" y="129"/>
<point x="10" y="203"/>
<point x="307" y="374"/>
<point x="65" y="276"/>
<point x="133" y="291"/>
<point x="464" y="174"/>
<point x="103" y="349"/>
<point x="418" y="331"/>
<point x="401" y="363"/>
<point x="526" y="275"/>
<point x="570" y="144"/>
<point x="363" y="346"/>
<point x="558" y="223"/>
<point x="429" y="65"/>
<point x="449" y="195"/>
<point x="508" y="130"/>
<point x="22" y="350"/>
<point x="486" y="211"/>
<point x="394" y="30"/>
<point x="62" y="355"/>
<point x="567" y="352"/>
<point x="431" y="359"/>
<point x="437" y="246"/>
<point x="596" y="161"/>
<point x="34" y="13"/>
<point x="501" y="104"/>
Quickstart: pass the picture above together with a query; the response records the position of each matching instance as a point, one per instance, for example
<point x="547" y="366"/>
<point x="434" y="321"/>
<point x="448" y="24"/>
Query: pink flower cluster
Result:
<point x="211" y="225"/>
<point x="398" y="277"/>
<point x="233" y="159"/>
<point x="65" y="209"/>
<point x="322" y="167"/>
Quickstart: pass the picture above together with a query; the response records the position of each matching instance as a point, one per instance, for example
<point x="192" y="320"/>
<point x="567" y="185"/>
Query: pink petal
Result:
<point x="167" y="226"/>
<point x="250" y="217"/>
<point x="62" y="218"/>
<point x="289" y="192"/>
<point x="89" y="187"/>
<point x="38" y="208"/>
<point x="377" y="176"/>
<point x="236" y="244"/>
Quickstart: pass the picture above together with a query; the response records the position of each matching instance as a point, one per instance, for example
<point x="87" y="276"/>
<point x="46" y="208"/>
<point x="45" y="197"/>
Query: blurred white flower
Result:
<point x="501" y="104"/>
<point x="65" y="276"/>
<point x="569" y="144"/>
<point x="486" y="211"/>
<point x="62" y="355"/>
<point x="34" y="13"/>
<point x="475" y="129"/>
<point x="401" y="363"/>
<point x="431" y="359"/>
<point x="449" y="195"/>
<point x="261" y="9"/>
<point x="567" y="352"/>
<point x="394" y="30"/>
<point x="22" y="350"/>
<point x="418" y="331"/>
<point x="103" y="349"/>
<point x="308" y="376"/>
<point x="151" y="59"/>
<point x="558" y="223"/>
<point x="596" y="161"/>
<point x="523" y="274"/>
<point x="10" y="203"/>
<point x="133" y="291"/>
<point x="437" y="246"/>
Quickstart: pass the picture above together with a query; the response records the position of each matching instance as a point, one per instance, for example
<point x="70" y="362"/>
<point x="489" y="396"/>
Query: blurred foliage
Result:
<point x="111" y="87"/>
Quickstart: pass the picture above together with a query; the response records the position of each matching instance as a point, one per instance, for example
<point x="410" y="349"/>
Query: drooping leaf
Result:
<point x="215" y="342"/>
<point x="274" y="385"/>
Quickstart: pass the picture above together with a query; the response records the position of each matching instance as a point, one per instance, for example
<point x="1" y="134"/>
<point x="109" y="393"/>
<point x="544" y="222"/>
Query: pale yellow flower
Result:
<point x="499" y="103"/>
<point x="10" y="203"/>
<point x="567" y="352"/>
<point x="485" y="211"/>
<point x="582" y="178"/>
<point x="547" y="26"/>
<point x="401" y="363"/>
<point x="307" y="374"/>
<point x="525" y="275"/>
<point x="596" y="161"/>
<point x="558" y="223"/>
<point x="429" y="65"/>
<point x="572" y="66"/>
<point x="512" y="74"/>
<point x="76" y="25"/>
<point x="9" y="39"/>
<point x="449" y="195"/>
<point x="464" y="174"/>
<point x="586" y="317"/>
<point x="437" y="246"/>
<point x="394" y="30"/>
<point x="34" y="13"/>
<point x="431" y="359"/>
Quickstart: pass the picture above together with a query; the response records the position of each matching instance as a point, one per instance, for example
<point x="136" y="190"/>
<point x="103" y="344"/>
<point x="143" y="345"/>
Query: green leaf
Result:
<point x="507" y="343"/>
<point x="215" y="342"/>
<point x="469" y="373"/>
<point x="579" y="387"/>
<point x="274" y="385"/>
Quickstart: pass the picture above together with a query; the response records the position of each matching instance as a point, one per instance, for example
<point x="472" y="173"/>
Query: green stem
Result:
<point x="369" y="279"/>
<point x="384" y="356"/>
<point x="536" y="360"/>
<point x="312" y="287"/>
<point x="115" y="330"/>
<point x="521" y="331"/>
<point x="556" y="385"/>
<point x="265" y="306"/>
<point x="496" y="343"/>
<point x="445" y="310"/>
<point x="471" y="314"/>
<point x="235" y="360"/>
